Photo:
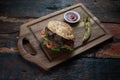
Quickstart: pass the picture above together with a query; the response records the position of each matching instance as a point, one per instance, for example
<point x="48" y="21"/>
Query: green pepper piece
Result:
<point x="56" y="49"/>
<point x="87" y="34"/>
<point x="85" y="20"/>
<point x="70" y="49"/>
<point x="87" y="26"/>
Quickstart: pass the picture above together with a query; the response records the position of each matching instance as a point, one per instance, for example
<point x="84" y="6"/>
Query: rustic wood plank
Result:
<point x="98" y="35"/>
<point x="106" y="11"/>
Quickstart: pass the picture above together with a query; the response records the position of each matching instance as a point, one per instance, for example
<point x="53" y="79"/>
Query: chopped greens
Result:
<point x="46" y="37"/>
<point x="55" y="49"/>
<point x="70" y="49"/>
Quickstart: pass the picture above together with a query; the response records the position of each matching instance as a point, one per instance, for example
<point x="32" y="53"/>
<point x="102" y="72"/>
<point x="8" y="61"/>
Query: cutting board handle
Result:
<point x="32" y="58"/>
<point x="24" y="53"/>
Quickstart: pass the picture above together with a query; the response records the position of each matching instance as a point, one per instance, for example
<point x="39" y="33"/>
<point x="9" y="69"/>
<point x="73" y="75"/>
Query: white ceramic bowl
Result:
<point x="72" y="16"/>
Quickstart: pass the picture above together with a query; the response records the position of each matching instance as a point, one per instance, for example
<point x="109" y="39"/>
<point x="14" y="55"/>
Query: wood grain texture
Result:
<point x="99" y="34"/>
<point x="105" y="10"/>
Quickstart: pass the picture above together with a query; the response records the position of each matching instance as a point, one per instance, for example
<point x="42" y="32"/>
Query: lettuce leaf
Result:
<point x="56" y="49"/>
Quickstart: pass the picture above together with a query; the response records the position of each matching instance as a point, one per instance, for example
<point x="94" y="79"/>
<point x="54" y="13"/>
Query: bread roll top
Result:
<point x="61" y="28"/>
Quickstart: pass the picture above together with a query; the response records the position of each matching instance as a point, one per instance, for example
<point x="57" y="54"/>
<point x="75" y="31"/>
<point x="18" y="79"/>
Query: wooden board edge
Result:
<point x="82" y="49"/>
<point x="97" y="41"/>
<point x="63" y="10"/>
<point x="27" y="56"/>
<point x="47" y="16"/>
<point x="101" y="39"/>
<point x="52" y="14"/>
<point x="95" y="18"/>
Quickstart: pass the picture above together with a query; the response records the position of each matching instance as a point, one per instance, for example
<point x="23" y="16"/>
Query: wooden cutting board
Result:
<point x="29" y="41"/>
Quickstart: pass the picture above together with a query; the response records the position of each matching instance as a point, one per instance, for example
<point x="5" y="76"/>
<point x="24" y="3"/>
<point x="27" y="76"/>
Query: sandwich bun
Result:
<point x="61" y="28"/>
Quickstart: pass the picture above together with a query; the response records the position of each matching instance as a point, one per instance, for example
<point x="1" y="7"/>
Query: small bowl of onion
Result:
<point x="72" y="17"/>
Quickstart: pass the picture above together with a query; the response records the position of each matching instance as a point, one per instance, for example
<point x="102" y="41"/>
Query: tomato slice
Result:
<point x="42" y="33"/>
<point x="50" y="45"/>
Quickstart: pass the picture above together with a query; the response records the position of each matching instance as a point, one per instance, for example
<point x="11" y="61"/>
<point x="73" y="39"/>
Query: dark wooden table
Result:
<point x="99" y="63"/>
